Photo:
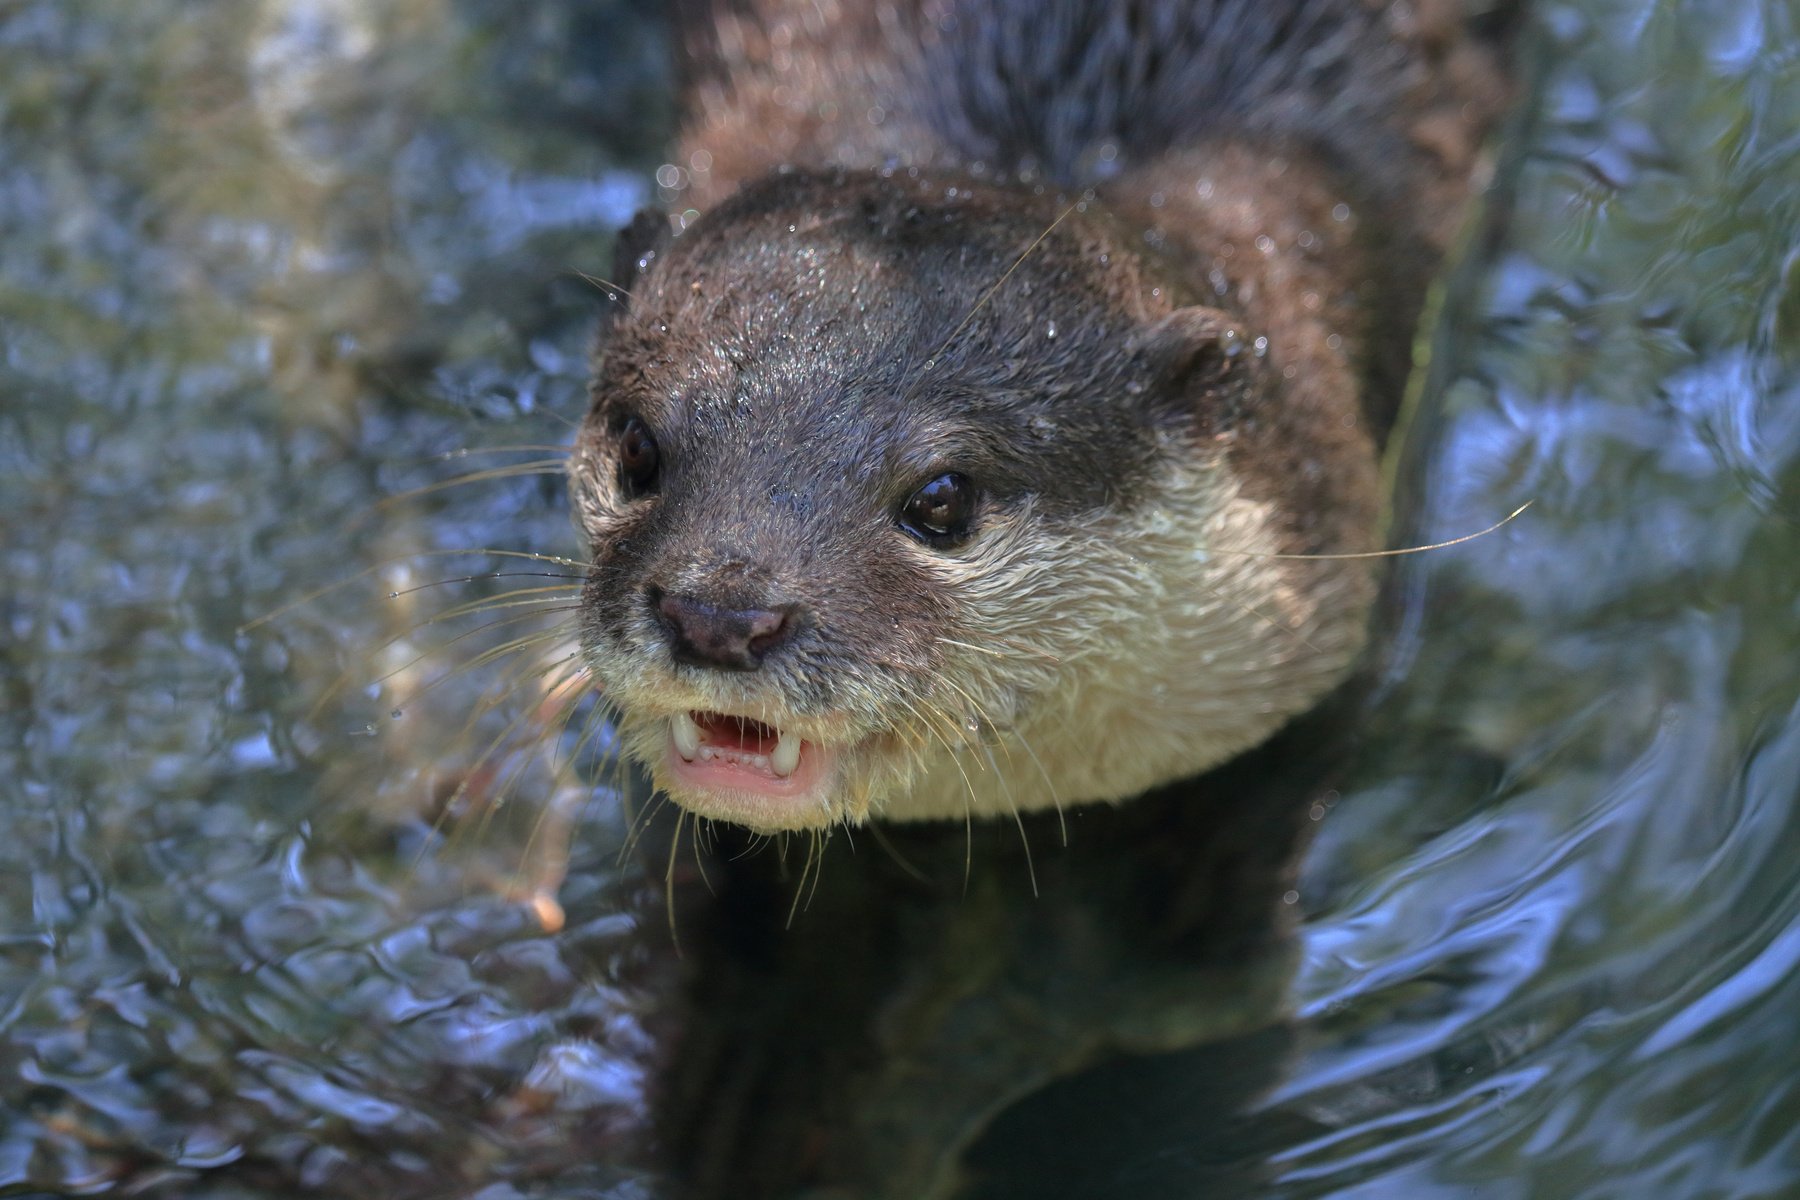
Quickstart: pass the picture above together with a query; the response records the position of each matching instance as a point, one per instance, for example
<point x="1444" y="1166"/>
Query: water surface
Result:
<point x="262" y="266"/>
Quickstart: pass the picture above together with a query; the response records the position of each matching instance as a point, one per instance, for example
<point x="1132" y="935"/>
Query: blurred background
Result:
<point x="274" y="918"/>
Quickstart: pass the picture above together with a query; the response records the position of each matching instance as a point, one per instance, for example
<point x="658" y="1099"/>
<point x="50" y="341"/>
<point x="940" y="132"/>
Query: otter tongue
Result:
<point x="736" y="733"/>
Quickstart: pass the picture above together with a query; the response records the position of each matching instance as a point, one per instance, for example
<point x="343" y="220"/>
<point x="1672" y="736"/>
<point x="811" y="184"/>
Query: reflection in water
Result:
<point x="256" y="263"/>
<point x="259" y="263"/>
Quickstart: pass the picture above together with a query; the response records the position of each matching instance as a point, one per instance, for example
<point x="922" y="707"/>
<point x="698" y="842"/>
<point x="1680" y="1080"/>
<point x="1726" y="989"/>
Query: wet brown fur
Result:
<point x="804" y="377"/>
<point x="1200" y="339"/>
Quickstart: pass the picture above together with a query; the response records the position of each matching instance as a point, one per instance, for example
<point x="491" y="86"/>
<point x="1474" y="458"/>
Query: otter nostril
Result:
<point x="767" y="626"/>
<point x="708" y="635"/>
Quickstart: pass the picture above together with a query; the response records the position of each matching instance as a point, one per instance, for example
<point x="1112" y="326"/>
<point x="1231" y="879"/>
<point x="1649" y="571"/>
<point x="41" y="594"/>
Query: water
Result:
<point x="259" y="263"/>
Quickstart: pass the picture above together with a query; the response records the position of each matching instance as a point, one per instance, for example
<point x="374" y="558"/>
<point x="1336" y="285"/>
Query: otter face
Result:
<point x="868" y="540"/>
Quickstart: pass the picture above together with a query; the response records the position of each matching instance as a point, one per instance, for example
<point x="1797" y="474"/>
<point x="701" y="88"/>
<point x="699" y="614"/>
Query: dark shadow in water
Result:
<point x="1168" y="1125"/>
<point x="905" y="1016"/>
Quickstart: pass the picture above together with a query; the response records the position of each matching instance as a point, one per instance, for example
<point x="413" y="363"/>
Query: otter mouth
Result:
<point x="745" y="770"/>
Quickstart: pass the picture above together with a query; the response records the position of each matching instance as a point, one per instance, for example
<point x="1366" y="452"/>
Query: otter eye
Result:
<point x="939" y="513"/>
<point x="639" y="459"/>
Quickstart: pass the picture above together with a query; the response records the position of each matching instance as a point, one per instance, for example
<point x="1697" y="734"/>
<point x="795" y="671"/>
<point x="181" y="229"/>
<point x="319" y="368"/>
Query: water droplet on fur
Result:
<point x="1262" y="346"/>
<point x="1050" y="330"/>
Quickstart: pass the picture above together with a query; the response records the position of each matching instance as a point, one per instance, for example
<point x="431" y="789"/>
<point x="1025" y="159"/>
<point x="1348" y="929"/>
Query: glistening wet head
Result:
<point x="873" y="535"/>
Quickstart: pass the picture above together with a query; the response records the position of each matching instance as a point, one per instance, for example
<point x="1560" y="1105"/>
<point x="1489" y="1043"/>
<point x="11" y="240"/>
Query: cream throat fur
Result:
<point x="1173" y="658"/>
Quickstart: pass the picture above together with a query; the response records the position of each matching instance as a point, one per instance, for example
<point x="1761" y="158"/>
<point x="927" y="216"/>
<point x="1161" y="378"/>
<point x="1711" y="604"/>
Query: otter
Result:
<point x="994" y="426"/>
<point x="990" y="429"/>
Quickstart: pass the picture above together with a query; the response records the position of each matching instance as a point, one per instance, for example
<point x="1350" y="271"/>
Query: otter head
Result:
<point x="879" y="528"/>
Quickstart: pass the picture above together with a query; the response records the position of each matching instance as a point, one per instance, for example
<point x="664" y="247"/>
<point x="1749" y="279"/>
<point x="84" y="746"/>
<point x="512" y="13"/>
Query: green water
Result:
<point x="264" y="265"/>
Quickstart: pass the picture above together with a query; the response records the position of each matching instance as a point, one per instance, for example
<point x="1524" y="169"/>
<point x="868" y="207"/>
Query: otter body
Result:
<point x="943" y="463"/>
<point x="970" y="447"/>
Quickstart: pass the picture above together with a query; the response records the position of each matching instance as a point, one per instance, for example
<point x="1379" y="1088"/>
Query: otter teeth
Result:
<point x="685" y="732"/>
<point x="686" y="735"/>
<point x="786" y="756"/>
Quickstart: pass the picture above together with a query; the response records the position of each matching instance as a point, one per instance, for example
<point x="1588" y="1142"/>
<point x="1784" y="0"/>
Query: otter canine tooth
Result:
<point x="686" y="735"/>
<point x="786" y="756"/>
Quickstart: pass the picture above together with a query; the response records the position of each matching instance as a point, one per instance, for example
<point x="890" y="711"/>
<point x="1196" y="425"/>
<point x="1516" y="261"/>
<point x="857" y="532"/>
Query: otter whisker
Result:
<point x="568" y="706"/>
<point x="492" y="654"/>
<point x="925" y="716"/>
<point x="476" y="768"/>
<point x="518" y="448"/>
<point x="1395" y="553"/>
<point x="1000" y="282"/>
<point x="612" y="764"/>
<point x="1026" y="648"/>
<point x="437" y="583"/>
<point x="597" y="718"/>
<point x="1024" y="839"/>
<point x="520" y="757"/>
<point x="344" y="677"/>
<point x="699" y="860"/>
<point x="600" y="282"/>
<point x="755" y="842"/>
<point x="800" y="884"/>
<point x="820" y="839"/>
<point x="639" y="825"/>
<point x="977" y="713"/>
<point x="503" y="738"/>
<point x="710" y="828"/>
<point x="1007" y="642"/>
<point x="384" y="564"/>
<point x="498" y="694"/>
<point x="1245" y="607"/>
<point x="542" y="466"/>
<point x="968" y="804"/>
<point x="1062" y="820"/>
<point x="515" y="598"/>
<point x="544" y="861"/>
<point x="814" y="867"/>
<point x="893" y="852"/>
<point x="669" y="881"/>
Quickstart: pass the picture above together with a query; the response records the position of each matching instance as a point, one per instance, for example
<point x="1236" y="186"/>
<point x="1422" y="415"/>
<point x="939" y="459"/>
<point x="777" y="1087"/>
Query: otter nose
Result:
<point x="707" y="635"/>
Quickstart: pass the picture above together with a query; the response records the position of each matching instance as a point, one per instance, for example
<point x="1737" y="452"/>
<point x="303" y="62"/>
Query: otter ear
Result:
<point x="1191" y="341"/>
<point x="637" y="244"/>
<point x="634" y="248"/>
<point x="1188" y="357"/>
